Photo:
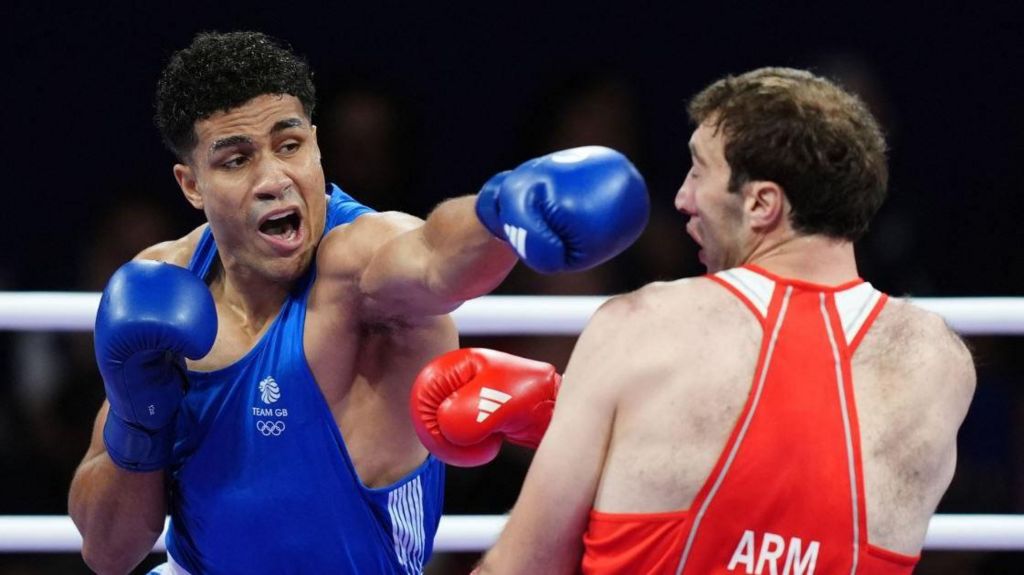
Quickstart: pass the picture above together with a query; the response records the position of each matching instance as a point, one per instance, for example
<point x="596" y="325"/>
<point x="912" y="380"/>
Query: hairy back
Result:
<point x="694" y="348"/>
<point x="913" y="381"/>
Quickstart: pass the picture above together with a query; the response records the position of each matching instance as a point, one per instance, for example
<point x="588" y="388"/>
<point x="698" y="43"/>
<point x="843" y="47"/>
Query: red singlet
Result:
<point x="786" y="496"/>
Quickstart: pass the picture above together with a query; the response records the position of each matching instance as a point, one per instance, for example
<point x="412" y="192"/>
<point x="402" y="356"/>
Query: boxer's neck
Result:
<point x="250" y="298"/>
<point x="811" y="258"/>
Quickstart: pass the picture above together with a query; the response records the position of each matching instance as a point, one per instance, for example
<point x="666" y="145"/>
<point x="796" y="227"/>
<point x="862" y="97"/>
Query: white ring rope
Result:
<point x="469" y="533"/>
<point x="508" y="315"/>
<point x="500" y="315"/>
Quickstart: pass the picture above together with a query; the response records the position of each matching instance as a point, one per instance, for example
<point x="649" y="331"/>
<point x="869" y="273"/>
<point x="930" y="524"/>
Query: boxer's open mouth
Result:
<point x="692" y="232"/>
<point x="282" y="229"/>
<point x="284" y="225"/>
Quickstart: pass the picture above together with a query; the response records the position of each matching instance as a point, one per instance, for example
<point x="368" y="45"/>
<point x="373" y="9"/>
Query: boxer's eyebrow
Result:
<point x="229" y="142"/>
<point x="285" y="124"/>
<point x="240" y="140"/>
<point x="696" y="155"/>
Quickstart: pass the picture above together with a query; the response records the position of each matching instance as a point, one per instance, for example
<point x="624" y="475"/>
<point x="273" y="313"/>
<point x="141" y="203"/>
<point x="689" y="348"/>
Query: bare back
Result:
<point x="914" y="379"/>
<point x="699" y="348"/>
<point x="697" y="352"/>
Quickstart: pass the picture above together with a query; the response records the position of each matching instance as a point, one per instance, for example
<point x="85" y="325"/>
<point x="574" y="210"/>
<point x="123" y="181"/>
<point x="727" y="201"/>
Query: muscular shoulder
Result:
<point x="672" y="322"/>
<point x="687" y="307"/>
<point x="919" y="346"/>
<point x="347" y="250"/>
<point x="698" y="294"/>
<point x="177" y="252"/>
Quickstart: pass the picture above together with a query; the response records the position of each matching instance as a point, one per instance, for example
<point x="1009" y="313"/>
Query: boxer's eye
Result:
<point x="235" y="162"/>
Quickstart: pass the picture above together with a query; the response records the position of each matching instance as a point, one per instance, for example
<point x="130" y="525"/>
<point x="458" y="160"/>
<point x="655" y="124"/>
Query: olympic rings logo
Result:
<point x="269" y="428"/>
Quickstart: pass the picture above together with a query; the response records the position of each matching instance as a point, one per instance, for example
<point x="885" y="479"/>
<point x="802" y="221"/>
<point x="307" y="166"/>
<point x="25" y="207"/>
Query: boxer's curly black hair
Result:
<point x="221" y="71"/>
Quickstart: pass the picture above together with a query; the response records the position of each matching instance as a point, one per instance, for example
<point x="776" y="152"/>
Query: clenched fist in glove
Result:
<point x="567" y="211"/>
<point x="151" y="316"/>
<point x="466" y="402"/>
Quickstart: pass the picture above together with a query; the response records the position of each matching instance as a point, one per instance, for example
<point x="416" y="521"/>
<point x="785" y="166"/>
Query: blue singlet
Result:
<point x="262" y="481"/>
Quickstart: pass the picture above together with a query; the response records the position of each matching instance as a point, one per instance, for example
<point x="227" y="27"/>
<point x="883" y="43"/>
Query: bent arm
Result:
<point x="544" y="533"/>
<point x="119" y="513"/>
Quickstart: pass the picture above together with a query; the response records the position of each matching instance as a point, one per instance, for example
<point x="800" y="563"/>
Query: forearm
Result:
<point x="466" y="260"/>
<point x="509" y="558"/>
<point x="544" y="532"/>
<point x="119" y="513"/>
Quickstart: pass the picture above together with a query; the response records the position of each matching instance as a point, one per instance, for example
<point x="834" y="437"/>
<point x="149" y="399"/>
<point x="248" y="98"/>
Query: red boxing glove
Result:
<point x="465" y="402"/>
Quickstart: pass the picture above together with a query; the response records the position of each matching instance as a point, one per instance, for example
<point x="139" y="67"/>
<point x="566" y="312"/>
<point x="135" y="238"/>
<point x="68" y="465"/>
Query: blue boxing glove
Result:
<point x="567" y="211"/>
<point x="151" y="316"/>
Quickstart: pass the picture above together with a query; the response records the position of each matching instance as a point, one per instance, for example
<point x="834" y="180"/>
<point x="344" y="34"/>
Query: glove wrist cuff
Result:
<point x="136" y="449"/>
<point x="487" y="210"/>
<point x="487" y="213"/>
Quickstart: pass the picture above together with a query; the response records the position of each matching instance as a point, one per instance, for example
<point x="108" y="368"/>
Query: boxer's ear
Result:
<point x="185" y="176"/>
<point x="765" y="204"/>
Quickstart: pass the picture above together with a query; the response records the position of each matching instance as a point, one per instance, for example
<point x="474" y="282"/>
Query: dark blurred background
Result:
<point x="426" y="101"/>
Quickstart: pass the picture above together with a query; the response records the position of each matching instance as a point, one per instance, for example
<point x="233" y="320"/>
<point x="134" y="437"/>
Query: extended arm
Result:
<point x="566" y="211"/>
<point x="434" y="266"/>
